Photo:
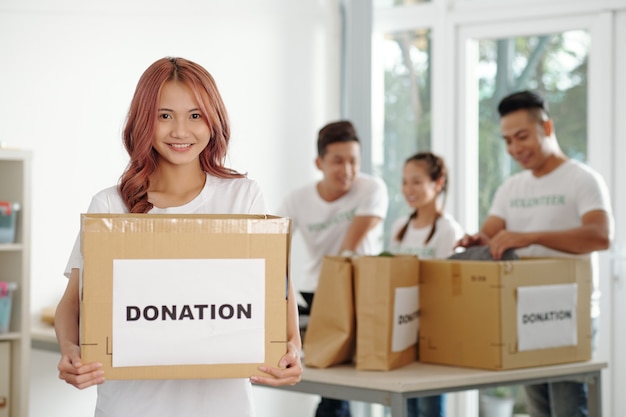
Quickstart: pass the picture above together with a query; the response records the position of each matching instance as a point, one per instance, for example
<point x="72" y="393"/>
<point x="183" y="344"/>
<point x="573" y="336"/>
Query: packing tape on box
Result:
<point x="457" y="279"/>
<point x="138" y="223"/>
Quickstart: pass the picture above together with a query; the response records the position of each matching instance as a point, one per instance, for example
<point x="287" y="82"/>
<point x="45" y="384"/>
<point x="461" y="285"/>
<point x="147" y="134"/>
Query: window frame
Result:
<point x="454" y="24"/>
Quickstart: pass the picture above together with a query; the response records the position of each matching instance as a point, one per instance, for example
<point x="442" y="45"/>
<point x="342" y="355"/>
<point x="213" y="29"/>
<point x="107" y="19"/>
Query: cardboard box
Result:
<point x="387" y="307"/>
<point x="183" y="296"/>
<point x="476" y="313"/>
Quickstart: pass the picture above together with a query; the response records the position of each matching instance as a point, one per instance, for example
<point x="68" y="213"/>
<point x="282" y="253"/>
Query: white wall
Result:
<point x="69" y="68"/>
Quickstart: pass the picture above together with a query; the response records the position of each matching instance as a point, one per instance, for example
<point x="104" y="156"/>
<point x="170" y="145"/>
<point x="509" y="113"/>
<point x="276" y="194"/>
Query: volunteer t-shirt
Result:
<point x="440" y="245"/>
<point x="324" y="224"/>
<point x="193" y="397"/>
<point x="555" y="201"/>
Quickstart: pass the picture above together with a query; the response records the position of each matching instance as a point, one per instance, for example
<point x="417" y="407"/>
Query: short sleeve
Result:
<point x="593" y="193"/>
<point x="375" y="200"/>
<point x="76" y="259"/>
<point x="97" y="205"/>
<point x="451" y="233"/>
<point x="257" y="201"/>
<point x="498" y="204"/>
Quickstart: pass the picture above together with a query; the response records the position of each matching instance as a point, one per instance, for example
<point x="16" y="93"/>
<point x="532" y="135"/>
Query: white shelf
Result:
<point x="10" y="247"/>
<point x="10" y="336"/>
<point x="15" y="180"/>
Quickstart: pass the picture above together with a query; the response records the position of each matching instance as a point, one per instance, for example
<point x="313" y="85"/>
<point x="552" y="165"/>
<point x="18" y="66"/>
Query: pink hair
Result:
<point x="141" y="120"/>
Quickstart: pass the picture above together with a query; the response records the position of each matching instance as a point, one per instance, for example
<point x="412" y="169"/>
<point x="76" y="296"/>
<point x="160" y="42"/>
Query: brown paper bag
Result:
<point x="387" y="298"/>
<point x="329" y="338"/>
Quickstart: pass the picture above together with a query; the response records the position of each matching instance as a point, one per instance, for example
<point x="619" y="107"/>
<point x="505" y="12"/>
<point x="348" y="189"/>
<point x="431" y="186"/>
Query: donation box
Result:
<point x="505" y="314"/>
<point x="183" y="296"/>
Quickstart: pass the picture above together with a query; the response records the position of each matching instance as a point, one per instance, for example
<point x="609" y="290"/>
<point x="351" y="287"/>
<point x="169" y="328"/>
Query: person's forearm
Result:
<point x="66" y="320"/>
<point x="66" y="325"/>
<point x="293" y="325"/>
<point x="491" y="227"/>
<point x="584" y="239"/>
<point x="357" y="231"/>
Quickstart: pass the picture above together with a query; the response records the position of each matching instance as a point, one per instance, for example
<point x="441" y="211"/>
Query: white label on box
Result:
<point x="405" y="318"/>
<point x="546" y="316"/>
<point x="188" y="311"/>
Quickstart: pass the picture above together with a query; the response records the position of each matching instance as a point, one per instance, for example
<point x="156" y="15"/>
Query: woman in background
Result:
<point x="428" y="232"/>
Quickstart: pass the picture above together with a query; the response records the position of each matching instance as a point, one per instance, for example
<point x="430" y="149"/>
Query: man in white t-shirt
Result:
<point x="342" y="213"/>
<point x="556" y="207"/>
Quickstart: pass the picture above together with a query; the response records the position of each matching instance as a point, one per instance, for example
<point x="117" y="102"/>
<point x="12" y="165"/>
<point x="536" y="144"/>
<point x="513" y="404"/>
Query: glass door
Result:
<point x="618" y="294"/>
<point x="563" y="58"/>
<point x="401" y="115"/>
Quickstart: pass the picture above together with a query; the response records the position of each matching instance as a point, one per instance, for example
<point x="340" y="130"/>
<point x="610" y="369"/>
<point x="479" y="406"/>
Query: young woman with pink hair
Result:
<point x="176" y="134"/>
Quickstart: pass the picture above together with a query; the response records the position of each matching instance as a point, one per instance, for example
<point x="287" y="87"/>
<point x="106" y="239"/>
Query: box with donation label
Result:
<point x="183" y="296"/>
<point x="365" y="310"/>
<point x="505" y="314"/>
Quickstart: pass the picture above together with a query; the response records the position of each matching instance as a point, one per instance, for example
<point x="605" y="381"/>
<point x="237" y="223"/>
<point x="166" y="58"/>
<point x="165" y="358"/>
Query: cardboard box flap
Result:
<point x="182" y="223"/>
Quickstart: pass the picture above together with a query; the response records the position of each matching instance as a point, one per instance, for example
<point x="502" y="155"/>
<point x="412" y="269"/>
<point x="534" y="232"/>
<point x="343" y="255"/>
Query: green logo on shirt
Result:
<point x="346" y="216"/>
<point x="422" y="252"/>
<point x="545" y="200"/>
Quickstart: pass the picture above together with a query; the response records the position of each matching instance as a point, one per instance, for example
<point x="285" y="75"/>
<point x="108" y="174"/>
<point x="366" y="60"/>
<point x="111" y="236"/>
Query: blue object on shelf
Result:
<point x="8" y="219"/>
<point x="6" y="292"/>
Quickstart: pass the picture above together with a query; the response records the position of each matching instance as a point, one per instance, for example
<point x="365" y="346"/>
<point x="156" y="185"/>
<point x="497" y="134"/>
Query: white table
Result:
<point x="393" y="388"/>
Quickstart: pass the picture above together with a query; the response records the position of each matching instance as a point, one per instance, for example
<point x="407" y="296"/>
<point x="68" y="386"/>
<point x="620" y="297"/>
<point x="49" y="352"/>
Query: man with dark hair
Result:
<point x="341" y="214"/>
<point x="523" y="100"/>
<point x="556" y="207"/>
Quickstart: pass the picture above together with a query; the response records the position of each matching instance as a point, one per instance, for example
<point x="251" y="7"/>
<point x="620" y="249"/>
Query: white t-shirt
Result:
<point x="190" y="397"/>
<point x="440" y="245"/>
<point x="555" y="201"/>
<point x="323" y="225"/>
